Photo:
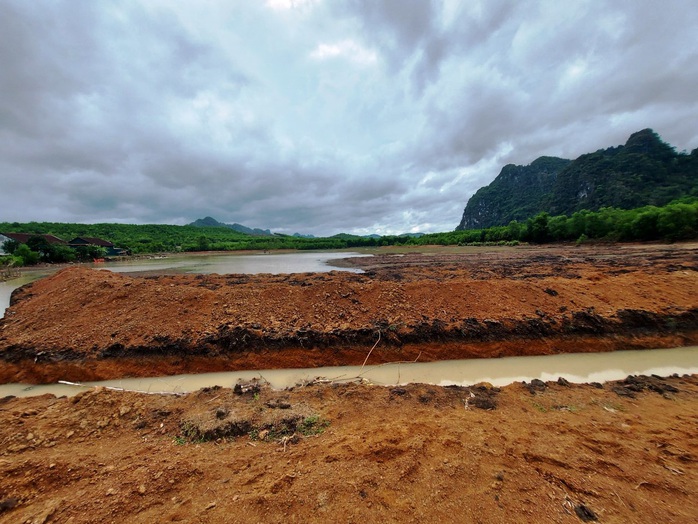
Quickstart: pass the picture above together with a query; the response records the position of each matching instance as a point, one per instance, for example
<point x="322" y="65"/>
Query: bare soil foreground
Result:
<point x="621" y="452"/>
<point x="625" y="453"/>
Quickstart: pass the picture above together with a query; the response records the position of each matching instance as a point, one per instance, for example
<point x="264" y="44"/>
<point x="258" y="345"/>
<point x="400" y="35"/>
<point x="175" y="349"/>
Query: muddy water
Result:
<point x="6" y="288"/>
<point x="274" y="263"/>
<point x="575" y="367"/>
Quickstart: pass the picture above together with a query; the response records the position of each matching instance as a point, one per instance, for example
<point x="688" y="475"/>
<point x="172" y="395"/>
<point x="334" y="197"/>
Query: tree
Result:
<point x="644" y="227"/>
<point x="203" y="243"/>
<point x="537" y="228"/>
<point x="678" y="221"/>
<point x="10" y="246"/>
<point x="88" y="253"/>
<point x="40" y="245"/>
<point x="25" y="256"/>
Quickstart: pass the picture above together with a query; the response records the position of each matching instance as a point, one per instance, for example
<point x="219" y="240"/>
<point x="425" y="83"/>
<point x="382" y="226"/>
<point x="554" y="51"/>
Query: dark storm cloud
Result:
<point x="318" y="117"/>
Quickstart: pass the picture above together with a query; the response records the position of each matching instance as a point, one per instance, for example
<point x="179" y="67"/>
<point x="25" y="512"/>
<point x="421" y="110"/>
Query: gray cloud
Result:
<point x="325" y="117"/>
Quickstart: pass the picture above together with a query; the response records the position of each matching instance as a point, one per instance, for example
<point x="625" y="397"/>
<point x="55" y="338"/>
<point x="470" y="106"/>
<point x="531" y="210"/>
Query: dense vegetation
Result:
<point x="515" y="194"/>
<point x="37" y="249"/>
<point x="149" y="238"/>
<point x="155" y="238"/>
<point x="675" y="221"/>
<point x="644" y="171"/>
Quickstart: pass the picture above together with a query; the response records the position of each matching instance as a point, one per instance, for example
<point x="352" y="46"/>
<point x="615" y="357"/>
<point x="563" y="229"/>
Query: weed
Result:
<point x="190" y="433"/>
<point x="540" y="407"/>
<point x="285" y="429"/>
<point x="313" y="425"/>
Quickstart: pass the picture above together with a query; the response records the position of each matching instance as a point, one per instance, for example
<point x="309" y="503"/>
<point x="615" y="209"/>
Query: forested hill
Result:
<point x="212" y="222"/>
<point x="644" y="171"/>
<point x="515" y="194"/>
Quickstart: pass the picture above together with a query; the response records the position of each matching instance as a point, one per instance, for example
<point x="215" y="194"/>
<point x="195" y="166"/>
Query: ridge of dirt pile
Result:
<point x="622" y="452"/>
<point x="431" y="307"/>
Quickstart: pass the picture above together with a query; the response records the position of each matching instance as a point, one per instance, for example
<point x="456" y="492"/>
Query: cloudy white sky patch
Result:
<point x="347" y="49"/>
<point x="321" y="117"/>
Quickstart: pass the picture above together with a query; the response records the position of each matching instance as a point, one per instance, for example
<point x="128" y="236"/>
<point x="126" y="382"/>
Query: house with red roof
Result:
<point x="22" y="238"/>
<point x="110" y="249"/>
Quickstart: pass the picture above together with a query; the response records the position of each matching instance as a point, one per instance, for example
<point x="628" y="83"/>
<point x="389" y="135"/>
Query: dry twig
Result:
<point x="114" y="388"/>
<point x="369" y="353"/>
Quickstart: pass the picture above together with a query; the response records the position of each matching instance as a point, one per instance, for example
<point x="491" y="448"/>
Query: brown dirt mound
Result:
<point x="81" y="324"/>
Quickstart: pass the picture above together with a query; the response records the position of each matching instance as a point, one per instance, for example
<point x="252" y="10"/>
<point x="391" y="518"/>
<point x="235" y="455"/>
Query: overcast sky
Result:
<point x="321" y="116"/>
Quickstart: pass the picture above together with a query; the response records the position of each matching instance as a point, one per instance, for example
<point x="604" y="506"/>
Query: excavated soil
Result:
<point x="620" y="452"/>
<point x="626" y="452"/>
<point x="81" y="324"/>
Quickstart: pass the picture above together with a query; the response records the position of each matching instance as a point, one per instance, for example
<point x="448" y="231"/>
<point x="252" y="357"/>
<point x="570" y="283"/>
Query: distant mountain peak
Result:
<point x="212" y="222"/>
<point x="647" y="142"/>
<point x="207" y="222"/>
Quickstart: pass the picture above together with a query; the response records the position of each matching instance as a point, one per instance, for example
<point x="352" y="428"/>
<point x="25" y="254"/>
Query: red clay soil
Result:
<point x="621" y="452"/>
<point x="81" y="324"/>
<point x="356" y="453"/>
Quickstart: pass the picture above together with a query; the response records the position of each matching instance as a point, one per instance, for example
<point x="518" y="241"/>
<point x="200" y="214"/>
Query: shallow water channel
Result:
<point x="575" y="367"/>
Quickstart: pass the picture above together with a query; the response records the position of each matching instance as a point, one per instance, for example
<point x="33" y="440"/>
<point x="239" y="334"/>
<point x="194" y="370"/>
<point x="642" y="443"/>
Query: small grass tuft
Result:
<point x="313" y="425"/>
<point x="540" y="407"/>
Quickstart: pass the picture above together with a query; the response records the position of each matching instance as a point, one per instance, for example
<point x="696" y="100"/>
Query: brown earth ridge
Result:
<point x="81" y="324"/>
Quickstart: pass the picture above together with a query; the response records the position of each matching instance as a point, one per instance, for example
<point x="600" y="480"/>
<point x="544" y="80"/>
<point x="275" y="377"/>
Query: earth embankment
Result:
<point x="82" y="324"/>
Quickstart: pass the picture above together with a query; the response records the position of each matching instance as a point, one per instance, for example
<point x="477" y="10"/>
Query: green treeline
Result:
<point x="675" y="221"/>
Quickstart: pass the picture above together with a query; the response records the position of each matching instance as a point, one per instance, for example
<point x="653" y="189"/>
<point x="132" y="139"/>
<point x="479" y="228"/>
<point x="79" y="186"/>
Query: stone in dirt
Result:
<point x="584" y="513"/>
<point x="535" y="386"/>
<point x="8" y="503"/>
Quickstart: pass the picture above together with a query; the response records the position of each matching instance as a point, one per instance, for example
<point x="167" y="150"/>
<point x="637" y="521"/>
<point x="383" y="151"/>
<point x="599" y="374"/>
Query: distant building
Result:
<point x="22" y="238"/>
<point x="110" y="249"/>
<point x="3" y="239"/>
